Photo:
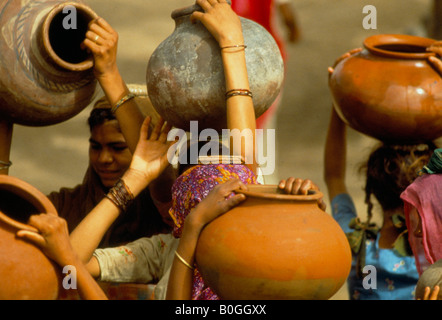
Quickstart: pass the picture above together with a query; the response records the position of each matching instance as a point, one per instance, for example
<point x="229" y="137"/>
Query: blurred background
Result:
<point x="55" y="156"/>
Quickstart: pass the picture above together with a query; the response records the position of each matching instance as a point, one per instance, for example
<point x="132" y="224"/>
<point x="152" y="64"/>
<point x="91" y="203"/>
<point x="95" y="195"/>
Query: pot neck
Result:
<point x="399" y="46"/>
<point x="59" y="35"/>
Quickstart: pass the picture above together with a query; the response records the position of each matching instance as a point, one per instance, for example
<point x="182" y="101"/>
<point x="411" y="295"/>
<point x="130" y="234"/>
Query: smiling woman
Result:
<point x="109" y="158"/>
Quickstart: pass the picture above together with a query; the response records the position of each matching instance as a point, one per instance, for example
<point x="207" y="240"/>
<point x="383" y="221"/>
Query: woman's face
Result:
<point x="109" y="154"/>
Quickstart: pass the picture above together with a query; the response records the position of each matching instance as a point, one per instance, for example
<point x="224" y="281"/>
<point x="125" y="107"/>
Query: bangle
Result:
<point x="123" y="100"/>
<point x="184" y="261"/>
<point x="236" y="46"/>
<point x="120" y="195"/>
<point x="5" y="164"/>
<point x="239" y="92"/>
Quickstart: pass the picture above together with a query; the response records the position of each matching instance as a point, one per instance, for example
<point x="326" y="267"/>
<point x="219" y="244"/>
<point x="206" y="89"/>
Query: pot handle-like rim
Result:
<point x="29" y="193"/>
<point x="269" y="191"/>
<point x="374" y="45"/>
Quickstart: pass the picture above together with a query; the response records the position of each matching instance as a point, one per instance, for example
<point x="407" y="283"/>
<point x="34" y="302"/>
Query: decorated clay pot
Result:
<point x="274" y="246"/>
<point x="389" y="90"/>
<point x="25" y="272"/>
<point x="45" y="77"/>
<point x="429" y="278"/>
<point x="185" y="76"/>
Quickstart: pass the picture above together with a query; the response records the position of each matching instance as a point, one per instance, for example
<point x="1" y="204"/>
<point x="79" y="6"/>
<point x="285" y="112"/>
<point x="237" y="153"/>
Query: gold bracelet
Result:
<point x="184" y="261"/>
<point x="123" y="100"/>
<point x="236" y="46"/>
<point x="239" y="92"/>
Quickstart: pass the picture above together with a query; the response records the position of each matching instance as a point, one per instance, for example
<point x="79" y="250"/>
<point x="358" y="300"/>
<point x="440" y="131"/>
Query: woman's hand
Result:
<point x="52" y="239"/>
<point x="221" y="21"/>
<point x="299" y="186"/>
<point x="219" y="200"/>
<point x="102" y="41"/>
<point x="150" y="157"/>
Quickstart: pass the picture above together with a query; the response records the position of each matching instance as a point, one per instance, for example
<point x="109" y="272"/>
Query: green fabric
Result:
<point x="401" y="244"/>
<point x="435" y="163"/>
<point x="357" y="240"/>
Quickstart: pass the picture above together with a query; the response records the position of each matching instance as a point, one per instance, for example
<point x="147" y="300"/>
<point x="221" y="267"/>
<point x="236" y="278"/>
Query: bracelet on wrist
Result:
<point x="120" y="195"/>
<point x="122" y="101"/>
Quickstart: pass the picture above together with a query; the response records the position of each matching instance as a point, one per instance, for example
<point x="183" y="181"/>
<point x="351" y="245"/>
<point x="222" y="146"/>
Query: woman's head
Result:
<point x="109" y="154"/>
<point x="391" y="168"/>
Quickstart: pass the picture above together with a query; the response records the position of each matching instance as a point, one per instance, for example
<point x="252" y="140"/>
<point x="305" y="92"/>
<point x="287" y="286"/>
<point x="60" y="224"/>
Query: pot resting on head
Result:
<point x="389" y="90"/>
<point x="185" y="75"/>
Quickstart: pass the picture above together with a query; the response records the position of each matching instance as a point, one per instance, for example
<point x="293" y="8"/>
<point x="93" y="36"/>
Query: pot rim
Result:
<point x="273" y="192"/>
<point x="372" y="44"/>
<point x="82" y="66"/>
<point x="30" y="194"/>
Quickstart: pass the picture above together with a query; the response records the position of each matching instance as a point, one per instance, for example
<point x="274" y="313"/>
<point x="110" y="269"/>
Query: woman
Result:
<point x="390" y="169"/>
<point x="201" y="193"/>
<point x="109" y="158"/>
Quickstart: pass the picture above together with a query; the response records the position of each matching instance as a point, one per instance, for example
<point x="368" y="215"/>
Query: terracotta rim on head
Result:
<point x="375" y="43"/>
<point x="82" y="66"/>
<point x="30" y="194"/>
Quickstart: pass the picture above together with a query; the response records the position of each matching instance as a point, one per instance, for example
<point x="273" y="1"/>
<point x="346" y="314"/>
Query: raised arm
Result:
<point x="148" y="162"/>
<point x="335" y="156"/>
<point x="225" y="26"/>
<point x="102" y="41"/>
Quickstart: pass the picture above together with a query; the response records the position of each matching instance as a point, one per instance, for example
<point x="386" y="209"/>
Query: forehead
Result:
<point x="107" y="132"/>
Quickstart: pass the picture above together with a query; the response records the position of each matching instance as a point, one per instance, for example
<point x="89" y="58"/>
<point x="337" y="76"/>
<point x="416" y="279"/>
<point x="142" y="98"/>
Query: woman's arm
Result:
<point x="102" y="41"/>
<point x="53" y="239"/>
<point x="225" y="26"/>
<point x="148" y="162"/>
<point x="214" y="205"/>
<point x="335" y="156"/>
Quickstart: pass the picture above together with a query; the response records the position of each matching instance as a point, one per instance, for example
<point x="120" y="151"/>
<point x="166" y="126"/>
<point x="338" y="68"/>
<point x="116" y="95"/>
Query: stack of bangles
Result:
<point x="5" y="165"/>
<point x="120" y="195"/>
<point x="239" y="92"/>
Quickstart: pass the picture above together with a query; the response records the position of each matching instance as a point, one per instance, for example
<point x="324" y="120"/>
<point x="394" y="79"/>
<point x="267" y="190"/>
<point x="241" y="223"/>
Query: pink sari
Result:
<point x="423" y="205"/>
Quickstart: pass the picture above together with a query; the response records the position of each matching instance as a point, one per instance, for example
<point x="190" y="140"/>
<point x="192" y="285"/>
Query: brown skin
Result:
<point x="149" y="160"/>
<point x="109" y="154"/>
<point x="334" y="173"/>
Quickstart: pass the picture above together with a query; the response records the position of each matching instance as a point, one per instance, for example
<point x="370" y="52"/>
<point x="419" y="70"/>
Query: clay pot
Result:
<point x="389" y="90"/>
<point x="185" y="76"/>
<point x="25" y="272"/>
<point x="429" y="278"/>
<point x="45" y="77"/>
<point x="274" y="246"/>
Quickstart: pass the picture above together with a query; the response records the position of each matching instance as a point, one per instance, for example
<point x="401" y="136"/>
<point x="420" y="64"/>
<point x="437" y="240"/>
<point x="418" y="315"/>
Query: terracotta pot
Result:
<point x="185" y="75"/>
<point x="45" y="77"/>
<point x="429" y="278"/>
<point x="25" y="272"/>
<point x="389" y="90"/>
<point x="274" y="246"/>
